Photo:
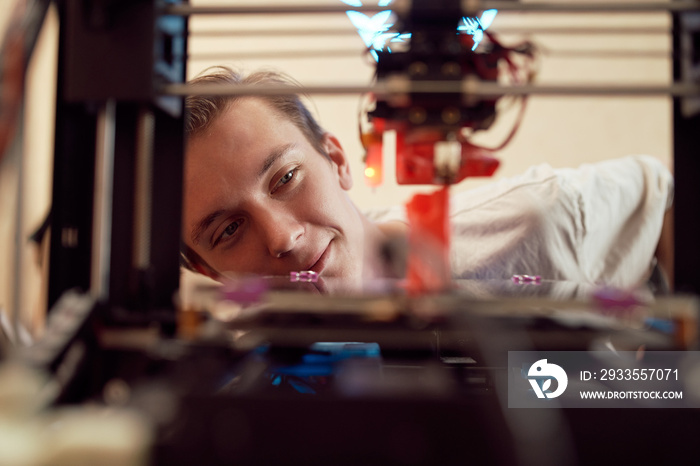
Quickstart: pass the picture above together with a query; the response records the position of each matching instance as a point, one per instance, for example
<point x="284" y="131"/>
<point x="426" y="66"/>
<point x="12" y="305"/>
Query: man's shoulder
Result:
<point x="538" y="184"/>
<point x="542" y="189"/>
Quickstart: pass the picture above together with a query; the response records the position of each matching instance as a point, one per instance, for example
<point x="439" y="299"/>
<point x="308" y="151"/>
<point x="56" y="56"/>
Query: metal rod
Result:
<point x="141" y="259"/>
<point x="402" y="87"/>
<point x="272" y="32"/>
<point x="587" y="30"/>
<point x="188" y="10"/>
<point x="342" y="53"/>
<point x="102" y="206"/>
<point x="279" y="54"/>
<point x="224" y="89"/>
<point x="467" y="5"/>
<point x="589" y="7"/>
<point x="16" y="297"/>
<point x="568" y="30"/>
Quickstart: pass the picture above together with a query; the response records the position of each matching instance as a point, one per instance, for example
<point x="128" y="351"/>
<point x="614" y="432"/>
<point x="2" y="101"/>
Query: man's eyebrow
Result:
<point x="203" y="224"/>
<point x="274" y="155"/>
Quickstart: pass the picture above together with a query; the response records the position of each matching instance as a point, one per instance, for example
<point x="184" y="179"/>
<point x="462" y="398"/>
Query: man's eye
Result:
<point x="289" y="176"/>
<point x="228" y="232"/>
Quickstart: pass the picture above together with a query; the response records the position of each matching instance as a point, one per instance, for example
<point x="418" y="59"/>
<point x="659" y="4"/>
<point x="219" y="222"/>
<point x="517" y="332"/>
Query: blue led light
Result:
<point x="370" y="29"/>
<point x="477" y="26"/>
<point x="375" y="31"/>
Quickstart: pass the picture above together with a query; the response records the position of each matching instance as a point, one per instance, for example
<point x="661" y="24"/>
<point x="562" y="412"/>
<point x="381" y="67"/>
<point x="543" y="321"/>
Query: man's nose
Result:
<point x="280" y="231"/>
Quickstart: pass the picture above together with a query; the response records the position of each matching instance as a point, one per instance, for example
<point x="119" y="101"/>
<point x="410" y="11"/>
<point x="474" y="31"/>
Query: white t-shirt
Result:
<point x="599" y="223"/>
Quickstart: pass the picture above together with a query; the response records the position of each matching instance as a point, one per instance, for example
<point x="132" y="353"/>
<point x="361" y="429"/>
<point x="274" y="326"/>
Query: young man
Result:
<point x="266" y="190"/>
<point x="266" y="193"/>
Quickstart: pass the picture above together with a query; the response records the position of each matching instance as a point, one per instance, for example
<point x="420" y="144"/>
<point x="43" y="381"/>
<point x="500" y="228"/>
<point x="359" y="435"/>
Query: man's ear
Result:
<point x="340" y="161"/>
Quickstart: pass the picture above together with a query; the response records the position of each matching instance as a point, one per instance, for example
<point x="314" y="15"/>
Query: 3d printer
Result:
<point x="125" y="329"/>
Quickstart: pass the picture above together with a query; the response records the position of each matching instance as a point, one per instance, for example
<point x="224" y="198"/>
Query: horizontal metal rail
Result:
<point x="343" y="53"/>
<point x="568" y="30"/>
<point x="467" y="5"/>
<point x="396" y="87"/>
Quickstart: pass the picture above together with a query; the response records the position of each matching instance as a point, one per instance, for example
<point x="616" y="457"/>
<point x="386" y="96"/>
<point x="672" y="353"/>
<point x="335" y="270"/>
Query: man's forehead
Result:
<point x="245" y="108"/>
<point x="242" y="122"/>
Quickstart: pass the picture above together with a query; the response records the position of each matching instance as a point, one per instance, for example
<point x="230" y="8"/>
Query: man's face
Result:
<point x="260" y="199"/>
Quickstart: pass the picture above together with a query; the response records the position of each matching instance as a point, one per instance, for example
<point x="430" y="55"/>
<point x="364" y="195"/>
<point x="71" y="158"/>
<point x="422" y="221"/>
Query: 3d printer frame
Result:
<point x="120" y="64"/>
<point x="116" y="216"/>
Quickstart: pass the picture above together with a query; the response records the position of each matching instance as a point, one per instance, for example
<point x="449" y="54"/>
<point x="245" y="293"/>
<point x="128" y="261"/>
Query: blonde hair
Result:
<point x="201" y="110"/>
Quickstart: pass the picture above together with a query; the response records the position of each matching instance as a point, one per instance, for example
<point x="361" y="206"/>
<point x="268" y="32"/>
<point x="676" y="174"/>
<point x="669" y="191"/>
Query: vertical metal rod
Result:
<point x="17" y="300"/>
<point x="102" y="206"/>
<point x="141" y="258"/>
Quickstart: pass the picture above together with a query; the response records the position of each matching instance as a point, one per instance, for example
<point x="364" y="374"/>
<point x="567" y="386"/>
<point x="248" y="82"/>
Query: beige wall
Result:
<point x="560" y="131"/>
